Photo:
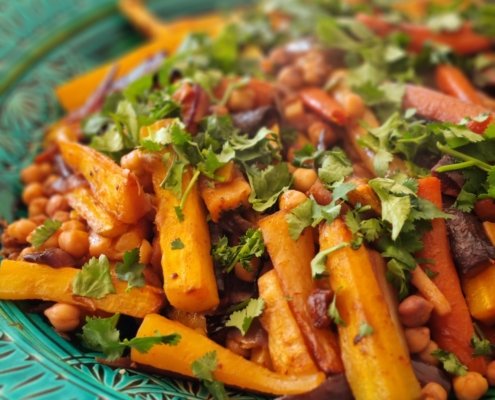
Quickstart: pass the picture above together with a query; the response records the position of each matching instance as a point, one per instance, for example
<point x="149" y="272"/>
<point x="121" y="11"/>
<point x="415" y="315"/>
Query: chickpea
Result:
<point x="48" y="188"/>
<point x="247" y="276"/>
<point x="21" y="229"/>
<point x="35" y="173"/>
<point x="73" y="225"/>
<point x="32" y="191"/>
<point x="56" y="203"/>
<point x="354" y="105"/>
<point x="145" y="252"/>
<point x="304" y="178"/>
<point x="471" y="386"/>
<point x="37" y="206"/>
<point x="99" y="245"/>
<point x="490" y="373"/>
<point x="279" y="56"/>
<point x="318" y="131"/>
<point x="414" y="311"/>
<point x="417" y="338"/>
<point x="38" y="219"/>
<point x="314" y="68"/>
<point x="128" y="241"/>
<point x="433" y="391"/>
<point x="52" y="241"/>
<point x="61" y="216"/>
<point x="291" y="199"/>
<point x="63" y="317"/>
<point x="426" y="356"/>
<point x="291" y="77"/>
<point x="242" y="99"/>
<point x="74" y="242"/>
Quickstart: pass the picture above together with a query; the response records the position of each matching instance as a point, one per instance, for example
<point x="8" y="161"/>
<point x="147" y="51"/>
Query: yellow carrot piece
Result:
<point x="98" y="219"/>
<point x="430" y="291"/>
<point x="189" y="278"/>
<point x="288" y="351"/>
<point x="291" y="259"/>
<point x="116" y="188"/>
<point x="232" y="369"/>
<point x="20" y="280"/>
<point x="377" y="364"/>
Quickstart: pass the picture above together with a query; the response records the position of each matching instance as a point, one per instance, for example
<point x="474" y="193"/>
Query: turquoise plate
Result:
<point x="44" y="43"/>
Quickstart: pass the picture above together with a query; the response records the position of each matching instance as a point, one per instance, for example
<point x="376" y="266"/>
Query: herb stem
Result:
<point x="461" y="156"/>
<point x="189" y="188"/>
<point x="455" y="167"/>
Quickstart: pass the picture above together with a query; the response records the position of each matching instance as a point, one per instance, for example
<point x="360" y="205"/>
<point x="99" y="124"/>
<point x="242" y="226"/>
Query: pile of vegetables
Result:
<point x="299" y="202"/>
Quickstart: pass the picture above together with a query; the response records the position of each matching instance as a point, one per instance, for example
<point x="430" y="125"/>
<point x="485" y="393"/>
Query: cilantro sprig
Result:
<point x="450" y="362"/>
<point x="131" y="270"/>
<point x="101" y="334"/>
<point x="44" y="232"/>
<point x="203" y="369"/>
<point x="242" y="319"/>
<point x="94" y="279"/>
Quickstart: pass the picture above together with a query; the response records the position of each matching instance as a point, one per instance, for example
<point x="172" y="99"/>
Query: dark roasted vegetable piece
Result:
<point x="470" y="246"/>
<point x="429" y="373"/>
<point x="334" y="387"/>
<point x="453" y="181"/>
<point x="318" y="302"/>
<point x="251" y="121"/>
<point x="54" y="257"/>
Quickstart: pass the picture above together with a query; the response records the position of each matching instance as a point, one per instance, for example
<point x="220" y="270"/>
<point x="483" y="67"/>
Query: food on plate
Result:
<point x="298" y="200"/>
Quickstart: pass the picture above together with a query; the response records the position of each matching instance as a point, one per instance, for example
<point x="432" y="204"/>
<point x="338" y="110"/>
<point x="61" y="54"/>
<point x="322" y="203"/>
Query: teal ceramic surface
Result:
<point x="44" y="43"/>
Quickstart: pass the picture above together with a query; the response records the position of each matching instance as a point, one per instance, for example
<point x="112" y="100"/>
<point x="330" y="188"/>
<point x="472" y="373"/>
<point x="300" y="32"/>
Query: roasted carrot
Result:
<point x="232" y="369"/>
<point x="288" y="350"/>
<point x="437" y="106"/>
<point x="463" y="41"/>
<point x="20" y="280"/>
<point x="453" y="331"/>
<point x="430" y="291"/>
<point x="377" y="364"/>
<point x="452" y="81"/>
<point x="117" y="189"/>
<point x="323" y="104"/>
<point x="292" y="259"/>
<point x="363" y="194"/>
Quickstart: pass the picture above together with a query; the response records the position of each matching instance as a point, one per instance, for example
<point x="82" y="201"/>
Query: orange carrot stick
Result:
<point x="437" y="106"/>
<point x="323" y="104"/>
<point x="452" y="81"/>
<point x="453" y="331"/>
<point x="430" y="291"/>
<point x="463" y="41"/>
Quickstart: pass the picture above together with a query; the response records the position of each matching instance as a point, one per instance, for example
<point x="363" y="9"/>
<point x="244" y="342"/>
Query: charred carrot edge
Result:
<point x="430" y="291"/>
<point x="464" y="41"/>
<point x="323" y="104"/>
<point x="453" y="331"/>
<point x="452" y="81"/>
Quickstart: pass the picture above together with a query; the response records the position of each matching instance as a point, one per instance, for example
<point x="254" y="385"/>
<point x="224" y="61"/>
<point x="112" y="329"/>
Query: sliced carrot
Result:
<point x="437" y="106"/>
<point x="463" y="41"/>
<point x="323" y="104"/>
<point x="452" y="81"/>
<point x="430" y="291"/>
<point x="453" y="331"/>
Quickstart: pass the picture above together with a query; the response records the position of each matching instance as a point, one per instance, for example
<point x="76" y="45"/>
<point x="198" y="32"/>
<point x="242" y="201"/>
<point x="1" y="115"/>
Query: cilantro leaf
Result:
<point x="250" y="245"/>
<point x="395" y="202"/>
<point x="371" y="229"/>
<point x="176" y="244"/>
<point x="242" y="319"/>
<point x="318" y="263"/>
<point x="203" y="369"/>
<point x="450" y="362"/>
<point x="481" y="346"/>
<point x="101" y="334"/>
<point x="94" y="280"/>
<point x="44" y="232"/>
<point x="333" y="312"/>
<point x="335" y="167"/>
<point x="131" y="270"/>
<point x="267" y="185"/>
<point x="299" y="218"/>
<point x="364" y="330"/>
